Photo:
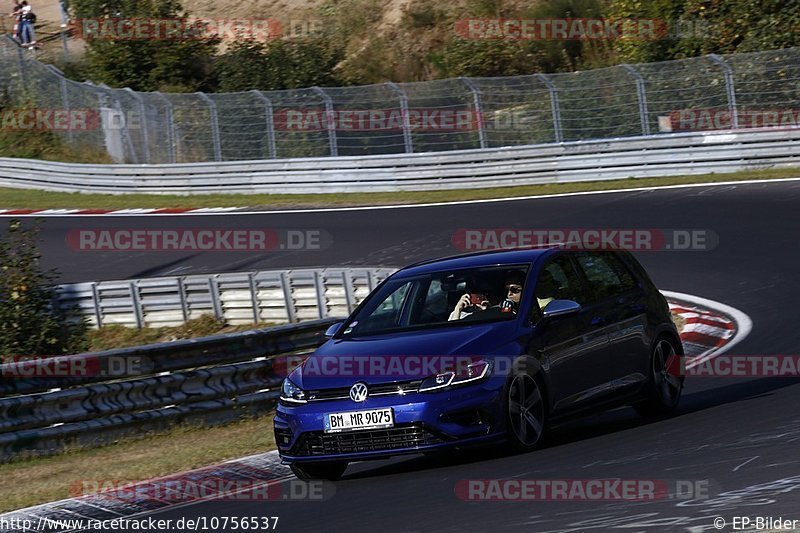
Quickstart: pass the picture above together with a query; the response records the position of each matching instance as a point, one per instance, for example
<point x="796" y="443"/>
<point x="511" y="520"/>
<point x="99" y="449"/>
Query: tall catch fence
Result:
<point x="753" y="90"/>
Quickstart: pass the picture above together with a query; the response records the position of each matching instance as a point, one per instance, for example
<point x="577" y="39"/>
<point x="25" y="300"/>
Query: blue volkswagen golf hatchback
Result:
<point x="493" y="346"/>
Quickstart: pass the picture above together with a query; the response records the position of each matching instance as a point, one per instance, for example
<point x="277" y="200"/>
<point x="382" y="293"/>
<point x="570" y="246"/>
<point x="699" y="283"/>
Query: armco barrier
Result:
<point x="624" y="157"/>
<point x="209" y="380"/>
<point x="238" y="298"/>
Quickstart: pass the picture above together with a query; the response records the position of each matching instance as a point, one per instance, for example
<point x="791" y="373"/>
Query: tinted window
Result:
<point x="606" y="273"/>
<point x="433" y="299"/>
<point x="558" y="280"/>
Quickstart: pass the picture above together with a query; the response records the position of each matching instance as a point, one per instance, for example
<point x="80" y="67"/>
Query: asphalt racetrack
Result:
<point x="739" y="438"/>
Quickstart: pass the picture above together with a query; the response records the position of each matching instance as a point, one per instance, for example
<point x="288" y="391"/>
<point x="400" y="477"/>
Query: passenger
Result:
<point x="515" y="281"/>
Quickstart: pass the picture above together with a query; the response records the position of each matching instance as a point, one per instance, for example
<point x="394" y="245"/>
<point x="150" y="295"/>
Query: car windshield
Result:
<point x="441" y="299"/>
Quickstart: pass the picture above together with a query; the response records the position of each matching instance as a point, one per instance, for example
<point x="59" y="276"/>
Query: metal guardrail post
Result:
<point x="319" y="288"/>
<point x="554" y="107"/>
<point x="729" y="88"/>
<point x="288" y="299"/>
<point x="401" y="95"/>
<point x="136" y="302"/>
<point x="98" y="313"/>
<point x="212" y="110"/>
<point x="331" y="120"/>
<point x="171" y="139"/>
<point x="213" y="291"/>
<point x="253" y="297"/>
<point x="142" y="123"/>
<point x="347" y="283"/>
<point x="269" y="122"/>
<point x="476" y="98"/>
<point x="640" y="91"/>
<point x="182" y="298"/>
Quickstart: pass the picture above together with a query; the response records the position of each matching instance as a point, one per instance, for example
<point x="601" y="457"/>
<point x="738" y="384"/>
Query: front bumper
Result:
<point x="423" y="422"/>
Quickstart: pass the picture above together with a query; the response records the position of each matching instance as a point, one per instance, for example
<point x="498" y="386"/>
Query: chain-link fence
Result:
<point x="759" y="89"/>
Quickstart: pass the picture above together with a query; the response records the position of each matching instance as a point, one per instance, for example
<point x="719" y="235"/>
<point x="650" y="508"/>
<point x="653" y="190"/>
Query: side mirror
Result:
<point x="333" y="329"/>
<point x="561" y="308"/>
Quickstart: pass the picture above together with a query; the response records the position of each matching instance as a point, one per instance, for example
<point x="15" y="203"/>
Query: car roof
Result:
<point x="476" y="259"/>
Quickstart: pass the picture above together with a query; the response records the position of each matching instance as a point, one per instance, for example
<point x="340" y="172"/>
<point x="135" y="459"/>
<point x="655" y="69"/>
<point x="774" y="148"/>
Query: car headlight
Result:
<point x="472" y="372"/>
<point x="292" y="393"/>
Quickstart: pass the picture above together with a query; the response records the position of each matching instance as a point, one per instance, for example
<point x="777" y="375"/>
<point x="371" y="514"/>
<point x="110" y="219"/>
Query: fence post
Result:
<point x="555" y="108"/>
<point x="212" y="110"/>
<point x="476" y="98"/>
<point x="331" y="120"/>
<point x="126" y="134"/>
<point x="269" y="122"/>
<point x="23" y="69"/>
<point x="640" y="91"/>
<point x="62" y="80"/>
<point x="729" y="88"/>
<point x="401" y="94"/>
<point x="142" y="123"/>
<point x="171" y="140"/>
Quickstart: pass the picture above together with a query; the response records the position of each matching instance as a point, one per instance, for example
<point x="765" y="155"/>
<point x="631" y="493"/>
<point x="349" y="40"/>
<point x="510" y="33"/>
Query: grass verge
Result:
<point x="39" y="480"/>
<point x="35" y="199"/>
<point x="116" y="336"/>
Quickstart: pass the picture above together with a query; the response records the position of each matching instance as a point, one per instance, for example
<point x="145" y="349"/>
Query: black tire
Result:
<point x="314" y="471"/>
<point x="663" y="389"/>
<point x="526" y="412"/>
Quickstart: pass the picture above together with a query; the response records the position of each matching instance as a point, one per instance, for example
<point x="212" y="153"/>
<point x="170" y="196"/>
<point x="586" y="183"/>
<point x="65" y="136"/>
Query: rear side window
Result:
<point x="558" y="280"/>
<point x="607" y="274"/>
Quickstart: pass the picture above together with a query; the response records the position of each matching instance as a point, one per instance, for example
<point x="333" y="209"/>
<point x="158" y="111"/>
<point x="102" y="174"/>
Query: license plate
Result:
<point x="352" y="420"/>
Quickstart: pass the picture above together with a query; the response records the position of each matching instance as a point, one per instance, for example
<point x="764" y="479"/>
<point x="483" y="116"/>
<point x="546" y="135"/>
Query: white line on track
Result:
<point x="234" y="210"/>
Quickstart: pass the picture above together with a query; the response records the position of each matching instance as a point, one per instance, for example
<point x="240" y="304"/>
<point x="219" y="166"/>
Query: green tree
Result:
<point x="184" y="64"/>
<point x="279" y="64"/>
<point x="29" y="324"/>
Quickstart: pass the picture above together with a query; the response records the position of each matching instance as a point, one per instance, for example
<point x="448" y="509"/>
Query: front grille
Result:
<point x="383" y="389"/>
<point x="319" y="443"/>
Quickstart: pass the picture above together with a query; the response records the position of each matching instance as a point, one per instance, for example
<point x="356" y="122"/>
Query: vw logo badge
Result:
<point x="358" y="392"/>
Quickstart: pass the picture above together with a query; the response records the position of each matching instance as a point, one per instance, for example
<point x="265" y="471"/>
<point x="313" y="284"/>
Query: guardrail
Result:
<point x="628" y="157"/>
<point x="238" y="298"/>
<point x="107" y="395"/>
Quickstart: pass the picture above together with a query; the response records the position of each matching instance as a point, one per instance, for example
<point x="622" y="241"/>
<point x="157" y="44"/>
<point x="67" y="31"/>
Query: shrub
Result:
<point x="30" y="325"/>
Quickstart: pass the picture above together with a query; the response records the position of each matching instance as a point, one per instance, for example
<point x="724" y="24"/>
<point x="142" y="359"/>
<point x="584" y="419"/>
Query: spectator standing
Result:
<point x="26" y="33"/>
<point x="16" y="12"/>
